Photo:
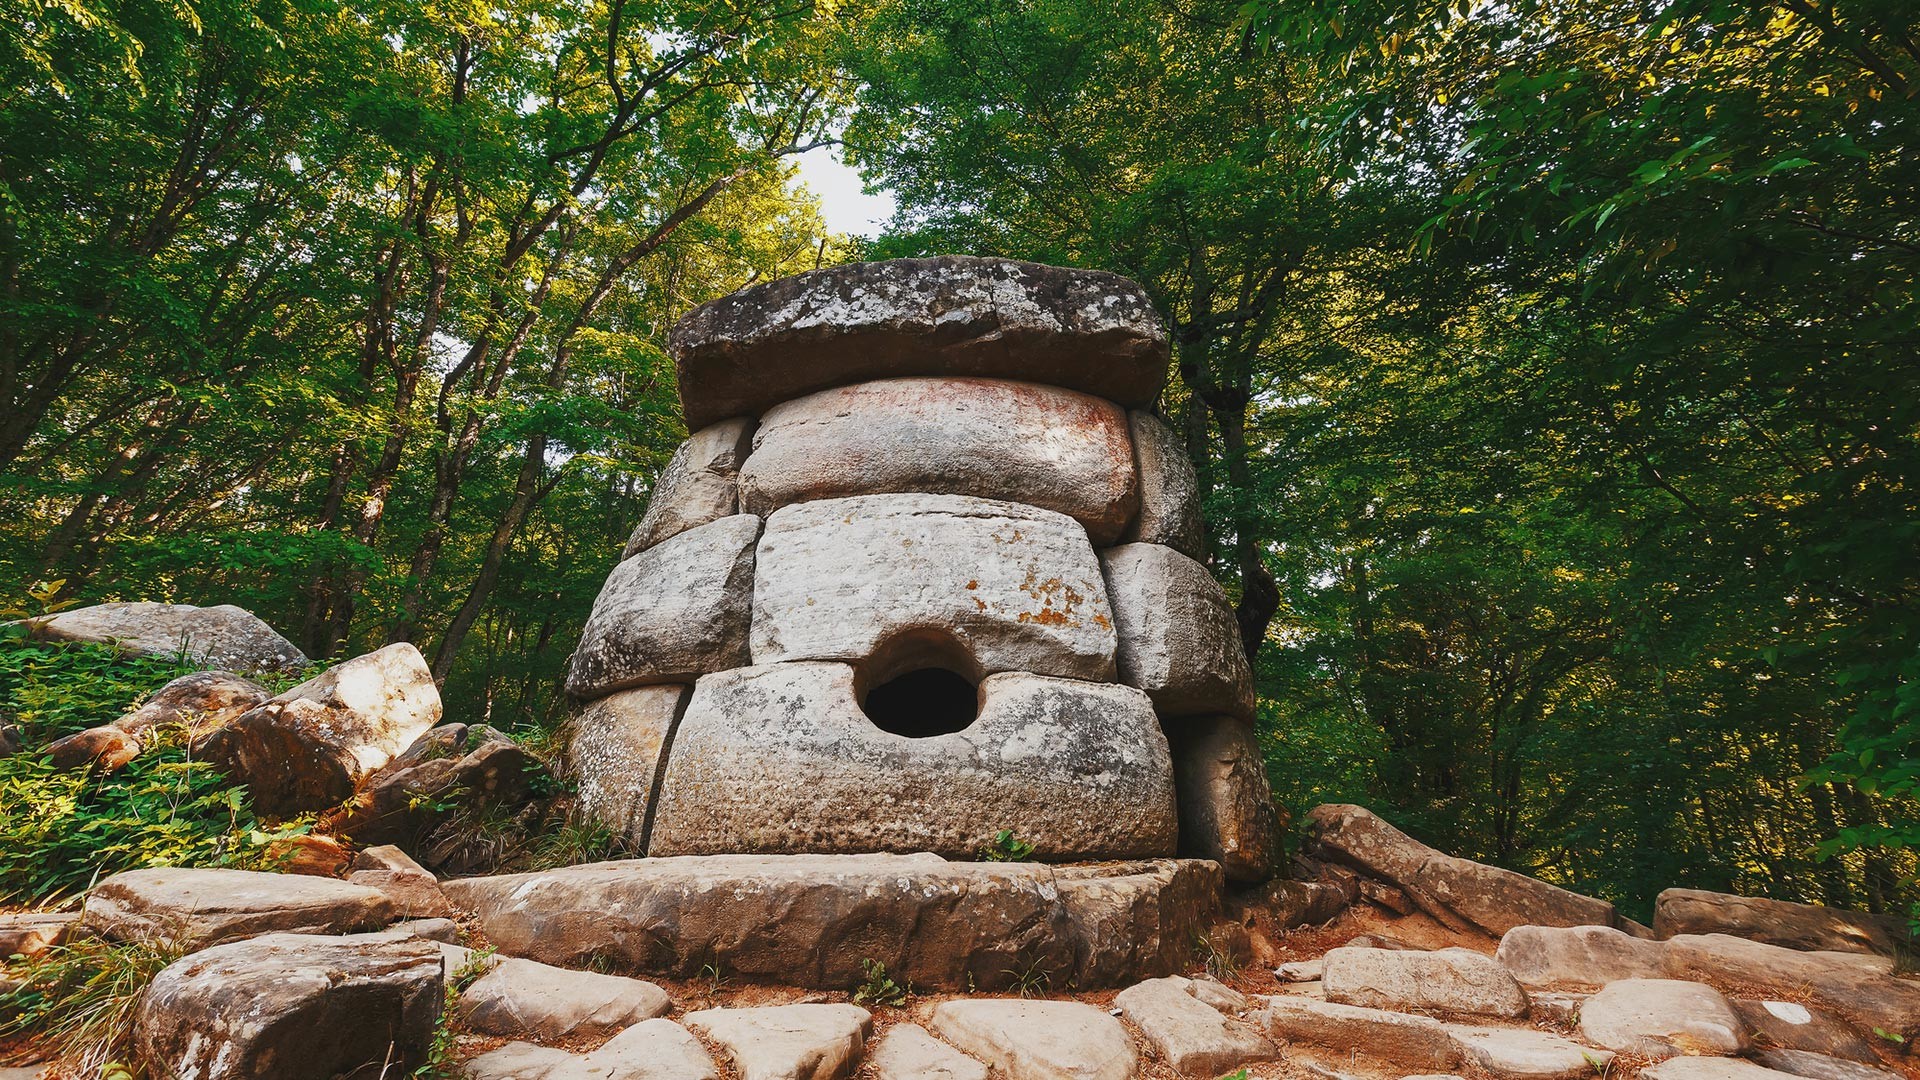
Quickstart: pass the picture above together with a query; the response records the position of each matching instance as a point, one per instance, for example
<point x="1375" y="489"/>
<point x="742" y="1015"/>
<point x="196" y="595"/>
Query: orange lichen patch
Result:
<point x="973" y="584"/>
<point x="1047" y="617"/>
<point x="1103" y="622"/>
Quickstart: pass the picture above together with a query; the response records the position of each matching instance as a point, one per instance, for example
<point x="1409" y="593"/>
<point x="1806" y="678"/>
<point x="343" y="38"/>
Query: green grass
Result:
<point x="77" y="1001"/>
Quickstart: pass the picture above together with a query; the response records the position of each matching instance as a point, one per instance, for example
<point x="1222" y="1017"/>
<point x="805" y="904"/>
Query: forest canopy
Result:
<point x="1552" y="369"/>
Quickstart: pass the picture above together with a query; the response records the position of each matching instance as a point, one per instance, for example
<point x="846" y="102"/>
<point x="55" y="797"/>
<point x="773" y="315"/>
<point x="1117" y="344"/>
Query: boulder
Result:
<point x="30" y="933"/>
<point x="1302" y="971"/>
<point x="1225" y="801"/>
<point x="225" y="635"/>
<point x="1460" y="893"/>
<point x="1418" y="1042"/>
<point x="998" y="585"/>
<point x="1446" y="981"/>
<point x="1789" y="1025"/>
<point x="1191" y="1036"/>
<point x="198" y="908"/>
<point x="1217" y="995"/>
<point x="1833" y="980"/>
<point x="1080" y="770"/>
<point x="312" y="746"/>
<point x="532" y="1000"/>
<point x="1039" y="1040"/>
<point x="1821" y="1067"/>
<point x="813" y="920"/>
<point x="106" y="749"/>
<point x="197" y="704"/>
<point x="1777" y="922"/>
<point x="788" y="1042"/>
<point x="414" y="892"/>
<point x="699" y="485"/>
<point x="670" y="613"/>
<point x="954" y="315"/>
<point x="649" y="1050"/>
<point x="1525" y="1054"/>
<point x="1582" y="957"/>
<point x="1710" y="1068"/>
<point x="450" y="766"/>
<point x="618" y="755"/>
<point x="312" y="854"/>
<point x="1662" y="1018"/>
<point x="1169" y="490"/>
<point x="1555" y="1007"/>
<point x="1039" y="445"/>
<point x="292" y="1007"/>
<point x="908" y="1052"/>
<point x="1177" y="636"/>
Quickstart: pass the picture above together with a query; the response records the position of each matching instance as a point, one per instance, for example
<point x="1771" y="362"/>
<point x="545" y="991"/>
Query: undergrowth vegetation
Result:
<point x="76" y="1003"/>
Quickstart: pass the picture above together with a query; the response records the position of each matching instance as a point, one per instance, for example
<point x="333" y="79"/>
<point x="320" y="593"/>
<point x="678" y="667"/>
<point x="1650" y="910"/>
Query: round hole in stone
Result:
<point x="922" y="703"/>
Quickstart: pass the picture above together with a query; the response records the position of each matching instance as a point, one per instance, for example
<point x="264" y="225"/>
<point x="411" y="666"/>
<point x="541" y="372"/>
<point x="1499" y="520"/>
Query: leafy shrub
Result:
<point x="879" y="987"/>
<point x="1006" y="847"/>
<point x="53" y="689"/>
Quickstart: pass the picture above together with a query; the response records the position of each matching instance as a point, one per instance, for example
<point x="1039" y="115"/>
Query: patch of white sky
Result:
<point x="846" y="205"/>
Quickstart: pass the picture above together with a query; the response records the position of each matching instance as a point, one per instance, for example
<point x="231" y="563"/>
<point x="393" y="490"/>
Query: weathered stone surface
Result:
<point x="649" y="1050"/>
<point x="1526" y="1054"/>
<point x="198" y="703"/>
<point x="292" y="1007"/>
<point x="1194" y="1038"/>
<point x="1448" y="981"/>
<point x="810" y="920"/>
<point x="907" y="1052"/>
<point x="224" y="635"/>
<point x="700" y="484"/>
<point x="537" y="1001"/>
<point x="1178" y="640"/>
<point x="1789" y="1025"/>
<point x="788" y="1042"/>
<point x="1776" y="922"/>
<point x="672" y="612"/>
<point x="1169" y="490"/>
<point x="452" y="765"/>
<point x="1301" y="971"/>
<point x="618" y="753"/>
<point x="30" y="933"/>
<point x="1419" y="1042"/>
<point x="1555" y="1007"/>
<point x="1081" y="770"/>
<point x="1039" y="445"/>
<point x="1225" y="801"/>
<point x="206" y="907"/>
<point x="1039" y="1040"/>
<point x="1215" y="994"/>
<point x="308" y="853"/>
<point x="1830" y="979"/>
<point x="105" y="748"/>
<point x="1585" y="957"/>
<point x="1458" y="892"/>
<point x="311" y="747"/>
<point x="1012" y="587"/>
<point x="953" y="315"/>
<point x="415" y="893"/>
<point x="1662" y="1018"/>
<point x="1709" y="1068"/>
<point x="1821" y="1067"/>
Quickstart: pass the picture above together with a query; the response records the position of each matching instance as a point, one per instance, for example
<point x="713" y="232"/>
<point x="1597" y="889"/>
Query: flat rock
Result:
<point x="225" y="636"/>
<point x="1662" y="1018"/>
<point x="1169" y="490"/>
<point x="1447" y="981"/>
<point x="908" y="1052"/>
<point x="30" y="933"/>
<point x="1526" y="1054"/>
<point x="1193" y="1037"/>
<point x="788" y="1042"/>
<point x="1039" y="1040"/>
<point x="1776" y="922"/>
<point x="537" y="1001"/>
<point x="1419" y="1042"/>
<point x="618" y="754"/>
<point x="1177" y="637"/>
<point x="1081" y="770"/>
<point x="1039" y="445"/>
<point x="812" y="920"/>
<point x="311" y="747"/>
<point x="1833" y="980"/>
<point x="1789" y="1025"/>
<point x="292" y="1007"/>
<point x="1585" y="957"/>
<point x="206" y="907"/>
<point x="1710" y="1068"/>
<point x="672" y="612"/>
<point x="1224" y="797"/>
<point x="700" y="484"/>
<point x="649" y="1050"/>
<point x="953" y="315"/>
<point x="1301" y="971"/>
<point x="1556" y="1007"/>
<point x="1821" y="1067"/>
<point x="1010" y="587"/>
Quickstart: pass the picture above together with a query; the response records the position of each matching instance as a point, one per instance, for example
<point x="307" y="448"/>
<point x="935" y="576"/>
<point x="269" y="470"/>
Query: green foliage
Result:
<point x="56" y="689"/>
<point x="1006" y="847"/>
<point x="879" y="988"/>
<point x="443" y="1062"/>
<point x="77" y="1001"/>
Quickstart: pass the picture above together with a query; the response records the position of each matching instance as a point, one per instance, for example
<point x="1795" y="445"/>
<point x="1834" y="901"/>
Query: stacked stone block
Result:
<point x="924" y="571"/>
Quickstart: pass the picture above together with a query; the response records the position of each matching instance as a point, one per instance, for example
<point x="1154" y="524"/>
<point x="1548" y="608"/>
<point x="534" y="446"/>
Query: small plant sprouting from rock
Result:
<point x="1219" y="958"/>
<point x="879" y="987"/>
<point x="1029" y="979"/>
<point x="441" y="1063"/>
<point x="1006" y="847"/>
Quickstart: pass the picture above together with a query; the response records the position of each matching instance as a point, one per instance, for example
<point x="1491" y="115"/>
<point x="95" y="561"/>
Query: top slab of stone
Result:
<point x="955" y="315"/>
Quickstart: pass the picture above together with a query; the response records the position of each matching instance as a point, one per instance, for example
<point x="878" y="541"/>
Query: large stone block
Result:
<point x="1055" y="449"/>
<point x="699" y="484"/>
<point x="782" y="759"/>
<point x="955" y="315"/>
<point x="1225" y="799"/>
<point x="1013" y="587"/>
<point x="1178" y="639"/>
<point x="675" y="611"/>
<point x="1777" y="922"/>
<point x="225" y="635"/>
<point x="1169" y="490"/>
<point x="618" y="753"/>
<point x="200" y="907"/>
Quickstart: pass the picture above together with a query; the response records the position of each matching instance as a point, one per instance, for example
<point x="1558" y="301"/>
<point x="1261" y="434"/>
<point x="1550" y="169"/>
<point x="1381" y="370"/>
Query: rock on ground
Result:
<point x="291" y="1007"/>
<point x="532" y="1000"/>
<point x="312" y="746"/>
<point x="1834" y="980"/>
<point x="1526" y="1054"/>
<point x="414" y="890"/>
<point x="1188" y="1034"/>
<point x="1418" y="1042"/>
<point x="1225" y="799"/>
<point x="1584" y="957"/>
<point x="1662" y="1018"/>
<point x="1790" y="1025"/>
<point x="451" y="766"/>
<point x="649" y="1050"/>
<point x="1080" y="770"/>
<point x="198" y="908"/>
<point x="1177" y="636"/>
<point x="954" y="315"/>
<point x="674" y="611"/>
<point x="30" y="933"/>
<point x="1710" y="1068"/>
<point x="198" y="704"/>
<point x="1447" y="981"/>
<point x="1007" y="587"/>
<point x="908" y="1052"/>
<point x="1776" y="922"/>
<point x="788" y="1042"/>
<point x="225" y="635"/>
<point x="618" y="753"/>
<point x="1039" y="1040"/>
<point x="701" y="483"/>
<point x="1169" y="490"/>
<point x="1820" y="1066"/>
